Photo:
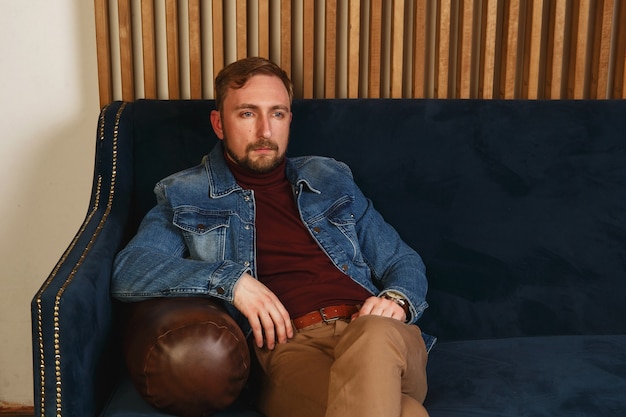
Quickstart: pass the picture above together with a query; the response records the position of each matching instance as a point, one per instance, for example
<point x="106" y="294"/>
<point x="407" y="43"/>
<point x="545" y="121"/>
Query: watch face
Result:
<point x="394" y="296"/>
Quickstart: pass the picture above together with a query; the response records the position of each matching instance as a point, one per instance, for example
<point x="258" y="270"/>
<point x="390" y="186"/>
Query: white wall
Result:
<point x="48" y="114"/>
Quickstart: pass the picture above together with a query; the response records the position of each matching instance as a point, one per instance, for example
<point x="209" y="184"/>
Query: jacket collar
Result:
<point x="297" y="177"/>
<point x="222" y="182"/>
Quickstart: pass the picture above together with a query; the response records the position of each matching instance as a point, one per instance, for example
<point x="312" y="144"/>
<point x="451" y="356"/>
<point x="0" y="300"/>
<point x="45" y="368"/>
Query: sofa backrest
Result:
<point x="518" y="208"/>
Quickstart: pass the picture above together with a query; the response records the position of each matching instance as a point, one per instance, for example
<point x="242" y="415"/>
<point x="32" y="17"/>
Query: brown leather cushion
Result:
<point x="186" y="356"/>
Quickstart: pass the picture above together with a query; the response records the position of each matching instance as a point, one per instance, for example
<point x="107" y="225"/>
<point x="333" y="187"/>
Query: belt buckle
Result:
<point x="326" y="319"/>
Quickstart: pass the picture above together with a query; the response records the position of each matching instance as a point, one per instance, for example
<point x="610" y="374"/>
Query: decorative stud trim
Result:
<point x="57" y="302"/>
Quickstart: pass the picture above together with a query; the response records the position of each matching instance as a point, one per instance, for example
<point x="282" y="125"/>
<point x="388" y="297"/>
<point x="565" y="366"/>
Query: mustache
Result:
<point x="262" y="144"/>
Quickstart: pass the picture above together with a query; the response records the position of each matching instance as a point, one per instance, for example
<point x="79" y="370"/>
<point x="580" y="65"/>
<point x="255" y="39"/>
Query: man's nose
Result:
<point x="264" y="128"/>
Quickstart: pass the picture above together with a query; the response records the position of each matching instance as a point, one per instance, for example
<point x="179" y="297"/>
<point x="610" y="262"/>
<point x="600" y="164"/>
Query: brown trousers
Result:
<point x="372" y="367"/>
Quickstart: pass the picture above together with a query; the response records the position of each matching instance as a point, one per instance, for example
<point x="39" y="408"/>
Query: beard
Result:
<point x="263" y="163"/>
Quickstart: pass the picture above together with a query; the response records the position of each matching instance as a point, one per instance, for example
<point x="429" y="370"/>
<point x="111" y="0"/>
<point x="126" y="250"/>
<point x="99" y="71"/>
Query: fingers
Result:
<point x="282" y="325"/>
<point x="268" y="318"/>
<point x="271" y="325"/>
<point x="377" y="306"/>
<point x="257" y="331"/>
<point x="274" y="325"/>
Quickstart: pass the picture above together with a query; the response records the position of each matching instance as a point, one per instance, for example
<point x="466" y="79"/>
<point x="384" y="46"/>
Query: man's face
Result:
<point x="254" y="123"/>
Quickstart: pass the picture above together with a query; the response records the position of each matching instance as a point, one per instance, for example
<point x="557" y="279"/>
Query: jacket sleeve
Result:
<point x="393" y="263"/>
<point x="155" y="263"/>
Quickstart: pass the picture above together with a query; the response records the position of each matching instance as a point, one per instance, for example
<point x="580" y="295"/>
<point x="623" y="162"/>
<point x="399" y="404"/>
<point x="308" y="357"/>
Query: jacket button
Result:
<point x="344" y="267"/>
<point x="220" y="290"/>
<point x="316" y="229"/>
<point x="201" y="226"/>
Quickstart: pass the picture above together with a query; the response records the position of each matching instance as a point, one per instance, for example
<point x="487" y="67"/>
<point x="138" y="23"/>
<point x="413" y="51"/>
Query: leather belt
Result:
<point x="326" y="315"/>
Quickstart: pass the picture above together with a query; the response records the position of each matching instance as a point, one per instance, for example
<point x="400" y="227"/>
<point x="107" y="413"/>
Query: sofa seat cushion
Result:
<point x="126" y="402"/>
<point x="531" y="376"/>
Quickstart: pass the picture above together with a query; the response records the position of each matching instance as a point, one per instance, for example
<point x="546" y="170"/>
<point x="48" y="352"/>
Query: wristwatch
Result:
<point x="399" y="299"/>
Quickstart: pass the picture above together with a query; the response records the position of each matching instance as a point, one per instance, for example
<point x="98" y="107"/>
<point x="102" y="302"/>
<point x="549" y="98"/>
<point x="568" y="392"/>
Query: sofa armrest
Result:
<point x="75" y="348"/>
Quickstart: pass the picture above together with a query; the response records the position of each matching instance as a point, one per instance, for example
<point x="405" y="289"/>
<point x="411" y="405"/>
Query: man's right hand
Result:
<point x="263" y="310"/>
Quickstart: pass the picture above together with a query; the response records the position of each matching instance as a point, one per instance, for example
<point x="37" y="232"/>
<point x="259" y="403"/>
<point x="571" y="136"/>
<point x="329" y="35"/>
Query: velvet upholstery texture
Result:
<point x="518" y="209"/>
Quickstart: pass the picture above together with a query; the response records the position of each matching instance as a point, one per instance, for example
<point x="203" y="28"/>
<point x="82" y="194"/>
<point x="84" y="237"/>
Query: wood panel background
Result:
<point x="510" y="49"/>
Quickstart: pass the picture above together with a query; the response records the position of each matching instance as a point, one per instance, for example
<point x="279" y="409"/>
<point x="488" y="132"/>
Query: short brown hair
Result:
<point x="237" y="74"/>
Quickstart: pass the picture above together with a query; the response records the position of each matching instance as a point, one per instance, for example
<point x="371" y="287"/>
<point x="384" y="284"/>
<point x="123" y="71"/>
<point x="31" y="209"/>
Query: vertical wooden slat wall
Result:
<point x="148" y="40"/>
<point x="420" y="49"/>
<point x="330" y="63"/>
<point x="195" y="50"/>
<point x="354" y="48"/>
<point x="242" y="28"/>
<point x="307" y="21"/>
<point x="443" y="48"/>
<point x="488" y="49"/>
<point x="173" y="56"/>
<point x="218" y="36"/>
<point x="466" y="53"/>
<point x="285" y="36"/>
<point x="618" y="87"/>
<point x="375" y="47"/>
<point x="103" y="51"/>
<point x="264" y="28"/>
<point x="397" y="48"/>
<point x="127" y="63"/>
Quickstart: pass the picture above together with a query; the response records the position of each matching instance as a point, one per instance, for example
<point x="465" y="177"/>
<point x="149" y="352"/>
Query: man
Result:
<point x="300" y="257"/>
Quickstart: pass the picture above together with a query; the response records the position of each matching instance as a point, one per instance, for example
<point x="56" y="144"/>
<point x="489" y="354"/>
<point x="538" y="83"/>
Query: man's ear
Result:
<point x="216" y="123"/>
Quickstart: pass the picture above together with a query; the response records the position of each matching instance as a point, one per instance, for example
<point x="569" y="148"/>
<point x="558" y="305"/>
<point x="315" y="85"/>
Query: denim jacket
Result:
<point x="200" y="237"/>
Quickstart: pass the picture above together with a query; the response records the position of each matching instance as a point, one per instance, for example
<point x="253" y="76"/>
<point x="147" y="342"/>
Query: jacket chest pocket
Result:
<point x="204" y="232"/>
<point x="344" y="224"/>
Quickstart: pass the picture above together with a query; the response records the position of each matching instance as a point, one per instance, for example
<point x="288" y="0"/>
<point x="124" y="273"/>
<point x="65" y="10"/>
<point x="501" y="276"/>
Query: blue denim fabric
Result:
<point x="200" y="237"/>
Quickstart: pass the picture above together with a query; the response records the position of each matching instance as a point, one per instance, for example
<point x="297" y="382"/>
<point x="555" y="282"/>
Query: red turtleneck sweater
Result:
<point x="289" y="261"/>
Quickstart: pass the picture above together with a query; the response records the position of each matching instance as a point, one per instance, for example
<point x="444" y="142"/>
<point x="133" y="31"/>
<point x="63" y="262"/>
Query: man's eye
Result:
<point x="279" y="114"/>
<point x="246" y="114"/>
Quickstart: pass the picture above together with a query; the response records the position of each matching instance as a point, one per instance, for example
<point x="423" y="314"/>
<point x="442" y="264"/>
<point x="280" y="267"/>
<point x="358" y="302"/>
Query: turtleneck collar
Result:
<point x="251" y="180"/>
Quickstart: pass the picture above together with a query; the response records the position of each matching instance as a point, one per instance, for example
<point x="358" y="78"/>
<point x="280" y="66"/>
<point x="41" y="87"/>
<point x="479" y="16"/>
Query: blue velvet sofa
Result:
<point x="518" y="209"/>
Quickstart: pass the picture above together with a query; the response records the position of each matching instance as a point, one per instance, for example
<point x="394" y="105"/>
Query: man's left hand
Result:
<point x="378" y="306"/>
